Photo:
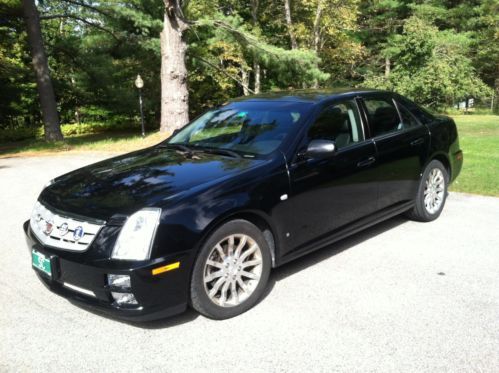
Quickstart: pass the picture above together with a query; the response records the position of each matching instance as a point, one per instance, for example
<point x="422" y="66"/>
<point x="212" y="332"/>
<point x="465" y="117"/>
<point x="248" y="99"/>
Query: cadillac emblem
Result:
<point x="49" y="227"/>
<point x="63" y="229"/>
<point x="78" y="233"/>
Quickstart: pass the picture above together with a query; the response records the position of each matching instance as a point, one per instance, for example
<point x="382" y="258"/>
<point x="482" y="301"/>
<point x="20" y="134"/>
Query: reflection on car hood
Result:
<point x="133" y="181"/>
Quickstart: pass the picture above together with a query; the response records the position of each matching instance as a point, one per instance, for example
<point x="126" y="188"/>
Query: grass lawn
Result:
<point x="479" y="139"/>
<point x="105" y="142"/>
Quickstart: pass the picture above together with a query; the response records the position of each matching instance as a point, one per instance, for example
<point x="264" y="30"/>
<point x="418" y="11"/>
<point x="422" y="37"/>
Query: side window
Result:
<point x="383" y="115"/>
<point x="408" y="120"/>
<point x="340" y="123"/>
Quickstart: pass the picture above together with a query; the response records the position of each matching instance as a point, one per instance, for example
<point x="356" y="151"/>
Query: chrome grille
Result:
<point x="59" y="231"/>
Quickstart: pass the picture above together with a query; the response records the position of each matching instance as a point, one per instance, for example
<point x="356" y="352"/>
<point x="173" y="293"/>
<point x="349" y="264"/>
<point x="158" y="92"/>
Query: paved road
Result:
<point x="400" y="297"/>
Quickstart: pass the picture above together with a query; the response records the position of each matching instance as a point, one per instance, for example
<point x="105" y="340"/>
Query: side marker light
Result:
<point x="166" y="268"/>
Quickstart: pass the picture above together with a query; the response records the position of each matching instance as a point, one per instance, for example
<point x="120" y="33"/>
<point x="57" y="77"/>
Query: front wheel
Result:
<point x="432" y="193"/>
<point x="231" y="271"/>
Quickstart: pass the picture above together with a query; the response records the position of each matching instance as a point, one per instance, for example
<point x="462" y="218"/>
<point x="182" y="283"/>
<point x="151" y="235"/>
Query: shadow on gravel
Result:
<point x="277" y="274"/>
<point x="309" y="260"/>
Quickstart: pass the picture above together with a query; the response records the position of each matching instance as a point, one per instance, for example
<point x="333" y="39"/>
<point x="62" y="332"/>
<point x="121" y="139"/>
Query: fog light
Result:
<point x="124" y="298"/>
<point x="119" y="281"/>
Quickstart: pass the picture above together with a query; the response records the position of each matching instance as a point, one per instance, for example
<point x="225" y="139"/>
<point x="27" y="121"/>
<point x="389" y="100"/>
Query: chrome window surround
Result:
<point x="56" y="238"/>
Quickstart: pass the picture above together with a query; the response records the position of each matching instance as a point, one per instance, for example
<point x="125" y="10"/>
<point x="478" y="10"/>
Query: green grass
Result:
<point x="104" y="142"/>
<point x="479" y="140"/>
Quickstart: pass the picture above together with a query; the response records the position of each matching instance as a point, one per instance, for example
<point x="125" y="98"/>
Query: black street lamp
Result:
<point x="139" y="83"/>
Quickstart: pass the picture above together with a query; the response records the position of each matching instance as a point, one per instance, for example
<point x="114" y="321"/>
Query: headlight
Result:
<point x="137" y="235"/>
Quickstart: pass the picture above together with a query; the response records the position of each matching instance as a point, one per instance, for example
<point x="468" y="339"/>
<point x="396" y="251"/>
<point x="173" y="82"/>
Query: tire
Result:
<point x="217" y="272"/>
<point x="434" y="181"/>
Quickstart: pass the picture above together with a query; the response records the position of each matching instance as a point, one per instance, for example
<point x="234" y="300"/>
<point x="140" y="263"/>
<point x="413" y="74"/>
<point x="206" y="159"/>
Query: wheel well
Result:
<point x="255" y="219"/>
<point x="443" y="159"/>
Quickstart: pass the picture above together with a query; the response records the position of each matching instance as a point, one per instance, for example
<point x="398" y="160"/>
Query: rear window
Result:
<point x="423" y="116"/>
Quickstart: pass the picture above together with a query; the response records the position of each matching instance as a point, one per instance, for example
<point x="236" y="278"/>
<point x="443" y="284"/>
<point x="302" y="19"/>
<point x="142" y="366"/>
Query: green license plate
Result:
<point x="41" y="262"/>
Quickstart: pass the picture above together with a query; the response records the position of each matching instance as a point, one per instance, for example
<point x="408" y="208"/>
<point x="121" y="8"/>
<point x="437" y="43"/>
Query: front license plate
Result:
<point x="41" y="262"/>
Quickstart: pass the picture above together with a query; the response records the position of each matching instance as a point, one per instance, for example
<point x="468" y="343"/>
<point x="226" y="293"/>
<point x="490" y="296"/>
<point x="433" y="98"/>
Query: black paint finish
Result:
<point x="304" y="203"/>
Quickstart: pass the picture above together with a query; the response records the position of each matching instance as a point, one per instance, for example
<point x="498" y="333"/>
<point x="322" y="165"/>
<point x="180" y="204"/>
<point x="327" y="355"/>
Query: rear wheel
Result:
<point x="231" y="272"/>
<point x="432" y="193"/>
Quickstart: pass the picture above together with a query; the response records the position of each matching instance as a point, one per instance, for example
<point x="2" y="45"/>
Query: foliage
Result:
<point x="435" y="51"/>
<point x="70" y="129"/>
<point x="431" y="66"/>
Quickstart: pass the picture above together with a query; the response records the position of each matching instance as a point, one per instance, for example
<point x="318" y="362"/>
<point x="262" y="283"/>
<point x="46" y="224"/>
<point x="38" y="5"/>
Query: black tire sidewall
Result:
<point x="199" y="299"/>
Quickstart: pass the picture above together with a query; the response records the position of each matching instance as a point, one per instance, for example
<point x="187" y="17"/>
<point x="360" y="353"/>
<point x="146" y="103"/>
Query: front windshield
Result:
<point x="254" y="128"/>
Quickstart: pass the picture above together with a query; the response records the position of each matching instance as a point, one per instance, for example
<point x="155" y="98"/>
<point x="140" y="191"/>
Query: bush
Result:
<point x="69" y="129"/>
<point x="97" y="127"/>
<point x="18" y="134"/>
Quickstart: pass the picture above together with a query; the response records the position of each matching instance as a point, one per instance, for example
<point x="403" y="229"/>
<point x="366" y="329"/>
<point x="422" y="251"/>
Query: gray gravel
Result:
<point x="400" y="297"/>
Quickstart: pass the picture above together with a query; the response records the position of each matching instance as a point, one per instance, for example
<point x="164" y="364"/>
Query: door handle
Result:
<point x="366" y="162"/>
<point x="417" y="142"/>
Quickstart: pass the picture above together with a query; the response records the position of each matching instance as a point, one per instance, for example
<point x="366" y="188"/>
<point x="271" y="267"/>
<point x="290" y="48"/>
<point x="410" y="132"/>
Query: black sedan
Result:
<point x="201" y="218"/>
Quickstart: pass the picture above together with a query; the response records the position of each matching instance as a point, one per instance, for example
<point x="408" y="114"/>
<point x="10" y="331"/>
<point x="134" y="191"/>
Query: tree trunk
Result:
<point x="289" y="22"/>
<point x="245" y="80"/>
<point x="174" y="93"/>
<point x="317" y="27"/>
<point x="317" y="34"/>
<point x="256" y="66"/>
<point x="258" y="74"/>
<point x="387" y="67"/>
<point x="44" y="85"/>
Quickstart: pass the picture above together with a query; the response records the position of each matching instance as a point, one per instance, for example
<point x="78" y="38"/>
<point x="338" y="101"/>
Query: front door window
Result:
<point x="339" y="123"/>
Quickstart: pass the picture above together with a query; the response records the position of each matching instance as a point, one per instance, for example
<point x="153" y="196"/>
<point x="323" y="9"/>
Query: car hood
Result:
<point x="151" y="177"/>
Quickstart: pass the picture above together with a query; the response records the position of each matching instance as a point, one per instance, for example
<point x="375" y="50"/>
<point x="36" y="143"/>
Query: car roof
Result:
<point x="307" y="95"/>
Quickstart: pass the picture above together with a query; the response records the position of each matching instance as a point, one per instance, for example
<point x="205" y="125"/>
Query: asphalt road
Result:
<point x="399" y="297"/>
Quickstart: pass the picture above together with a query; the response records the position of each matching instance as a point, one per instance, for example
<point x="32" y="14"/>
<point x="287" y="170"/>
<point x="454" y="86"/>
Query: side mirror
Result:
<point x="319" y="149"/>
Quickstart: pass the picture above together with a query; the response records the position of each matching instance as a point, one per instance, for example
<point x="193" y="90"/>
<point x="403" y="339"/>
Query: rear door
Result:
<point x="402" y="144"/>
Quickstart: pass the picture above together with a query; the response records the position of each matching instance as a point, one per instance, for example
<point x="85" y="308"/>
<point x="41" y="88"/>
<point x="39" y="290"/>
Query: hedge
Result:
<point x="24" y="133"/>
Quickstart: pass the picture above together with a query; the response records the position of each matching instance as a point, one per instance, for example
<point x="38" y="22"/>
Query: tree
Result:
<point x="289" y="23"/>
<point x="224" y="29"/>
<point x="174" y="92"/>
<point x="431" y="66"/>
<point x="43" y="80"/>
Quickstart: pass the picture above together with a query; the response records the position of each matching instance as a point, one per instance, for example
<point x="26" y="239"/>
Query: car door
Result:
<point x="327" y="194"/>
<point x="402" y="144"/>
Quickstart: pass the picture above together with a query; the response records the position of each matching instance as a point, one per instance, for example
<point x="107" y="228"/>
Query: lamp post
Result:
<point x="139" y="83"/>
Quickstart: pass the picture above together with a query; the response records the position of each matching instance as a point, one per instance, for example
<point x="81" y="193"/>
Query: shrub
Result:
<point x="69" y="129"/>
<point x="18" y="134"/>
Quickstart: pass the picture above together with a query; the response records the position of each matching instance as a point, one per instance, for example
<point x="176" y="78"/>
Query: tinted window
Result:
<point x="246" y="127"/>
<point x="383" y="116"/>
<point x="408" y="120"/>
<point x="338" y="122"/>
<point x="420" y="113"/>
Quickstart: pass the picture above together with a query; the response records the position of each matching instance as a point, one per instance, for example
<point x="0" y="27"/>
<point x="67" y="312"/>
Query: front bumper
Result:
<point x="84" y="281"/>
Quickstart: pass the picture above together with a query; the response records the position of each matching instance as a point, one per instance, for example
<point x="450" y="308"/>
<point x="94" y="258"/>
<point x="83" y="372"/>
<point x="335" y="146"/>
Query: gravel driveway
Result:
<point x="401" y="296"/>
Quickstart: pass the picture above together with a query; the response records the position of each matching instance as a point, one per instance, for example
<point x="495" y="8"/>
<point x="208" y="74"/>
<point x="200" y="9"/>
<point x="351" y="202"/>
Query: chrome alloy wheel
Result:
<point x="233" y="270"/>
<point x="434" y="191"/>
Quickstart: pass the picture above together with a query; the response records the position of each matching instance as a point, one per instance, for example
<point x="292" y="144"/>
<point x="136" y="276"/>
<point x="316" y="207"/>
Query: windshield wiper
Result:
<point x="221" y="151"/>
<point x="180" y="147"/>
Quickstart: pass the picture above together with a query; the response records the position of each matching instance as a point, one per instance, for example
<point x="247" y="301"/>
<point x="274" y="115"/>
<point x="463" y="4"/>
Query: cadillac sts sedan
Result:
<point x="201" y="219"/>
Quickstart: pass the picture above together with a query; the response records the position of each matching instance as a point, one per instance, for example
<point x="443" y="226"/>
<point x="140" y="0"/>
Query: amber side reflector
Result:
<point x="166" y="268"/>
<point x="459" y="155"/>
